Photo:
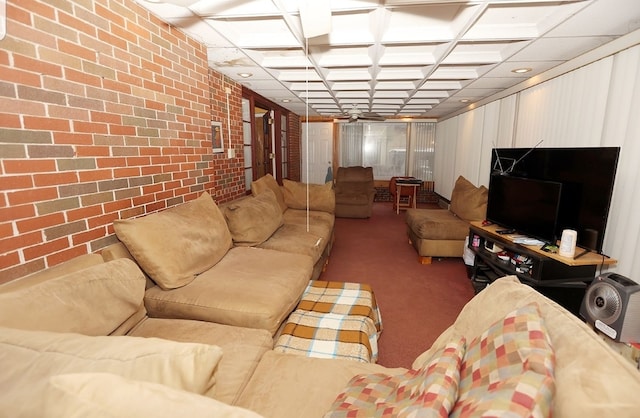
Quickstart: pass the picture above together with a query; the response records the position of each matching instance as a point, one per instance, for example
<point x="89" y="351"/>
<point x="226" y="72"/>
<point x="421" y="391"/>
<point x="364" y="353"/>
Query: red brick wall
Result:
<point x="104" y="114"/>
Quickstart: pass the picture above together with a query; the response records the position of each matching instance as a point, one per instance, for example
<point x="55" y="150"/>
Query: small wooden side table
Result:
<point x="412" y="199"/>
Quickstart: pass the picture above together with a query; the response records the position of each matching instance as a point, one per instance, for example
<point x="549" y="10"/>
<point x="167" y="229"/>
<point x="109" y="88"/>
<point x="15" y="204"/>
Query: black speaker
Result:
<point x="612" y="305"/>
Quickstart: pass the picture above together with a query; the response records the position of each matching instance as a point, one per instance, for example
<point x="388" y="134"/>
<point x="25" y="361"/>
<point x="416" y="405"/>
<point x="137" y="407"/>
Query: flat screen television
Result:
<point x="587" y="176"/>
<point x="529" y="206"/>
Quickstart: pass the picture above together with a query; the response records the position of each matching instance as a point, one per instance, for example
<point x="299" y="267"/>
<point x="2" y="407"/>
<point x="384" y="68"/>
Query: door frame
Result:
<point x="255" y="100"/>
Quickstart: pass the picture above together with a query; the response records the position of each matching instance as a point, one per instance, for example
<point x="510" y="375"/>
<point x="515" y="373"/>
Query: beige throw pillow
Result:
<point x="253" y="220"/>
<point x="88" y="395"/>
<point x="92" y="301"/>
<point x="175" y="245"/>
<point x="321" y="196"/>
<point x="29" y="358"/>
<point x="267" y="182"/>
<point x="469" y="202"/>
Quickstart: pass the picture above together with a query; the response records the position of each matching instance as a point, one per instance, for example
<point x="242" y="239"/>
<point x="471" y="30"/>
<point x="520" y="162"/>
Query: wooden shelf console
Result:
<point x="563" y="279"/>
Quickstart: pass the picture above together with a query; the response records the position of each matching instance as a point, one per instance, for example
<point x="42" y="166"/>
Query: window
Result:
<point x="246" y="135"/>
<point x="384" y="146"/>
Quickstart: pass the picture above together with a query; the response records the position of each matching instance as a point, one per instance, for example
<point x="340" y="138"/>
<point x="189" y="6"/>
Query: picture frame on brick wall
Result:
<point x="217" y="142"/>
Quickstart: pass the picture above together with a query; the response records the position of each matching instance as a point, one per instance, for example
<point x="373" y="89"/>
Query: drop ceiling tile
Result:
<point x="350" y="86"/>
<point x="395" y="85"/>
<point x="602" y="18"/>
<point x="351" y="29"/>
<point x="354" y="74"/>
<point x="304" y="86"/>
<point x="393" y="94"/>
<point x="299" y="75"/>
<point x="287" y="58"/>
<point x="441" y="85"/>
<point x="426" y="23"/>
<point x="422" y="101"/>
<point x="401" y="73"/>
<point x="505" y="69"/>
<point x="520" y="21"/>
<point x="256" y="33"/>
<point x="343" y="57"/>
<point x="558" y="49"/>
<point x="431" y="94"/>
<point x="409" y="55"/>
<point x="363" y="94"/>
<point x="352" y="101"/>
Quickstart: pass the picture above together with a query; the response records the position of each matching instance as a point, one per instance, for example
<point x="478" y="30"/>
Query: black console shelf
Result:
<point x="563" y="280"/>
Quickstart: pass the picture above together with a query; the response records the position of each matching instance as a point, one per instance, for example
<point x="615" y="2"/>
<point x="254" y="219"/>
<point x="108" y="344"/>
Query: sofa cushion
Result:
<point x="253" y="220"/>
<point x="267" y="182"/>
<point x="430" y="391"/>
<point x="509" y="369"/>
<point x="320" y="197"/>
<point x="86" y="395"/>
<point x="436" y="224"/>
<point x="468" y="201"/>
<point x="290" y="386"/>
<point x="250" y="287"/>
<point x="585" y="383"/>
<point x="94" y="301"/>
<point x="175" y="245"/>
<point x="29" y="358"/>
<point x="242" y="347"/>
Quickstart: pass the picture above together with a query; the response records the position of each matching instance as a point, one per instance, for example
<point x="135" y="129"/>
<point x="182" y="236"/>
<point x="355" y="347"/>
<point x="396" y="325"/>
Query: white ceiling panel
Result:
<point x="394" y="57"/>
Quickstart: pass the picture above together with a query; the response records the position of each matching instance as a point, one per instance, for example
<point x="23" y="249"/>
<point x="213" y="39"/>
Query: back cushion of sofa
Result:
<point x="29" y="358"/>
<point x="254" y="219"/>
<point x="267" y="182"/>
<point x="321" y="197"/>
<point x="468" y="201"/>
<point x="91" y="301"/>
<point x="175" y="245"/>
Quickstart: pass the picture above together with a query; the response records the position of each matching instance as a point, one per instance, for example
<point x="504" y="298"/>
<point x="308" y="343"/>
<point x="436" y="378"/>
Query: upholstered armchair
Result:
<point x="354" y="192"/>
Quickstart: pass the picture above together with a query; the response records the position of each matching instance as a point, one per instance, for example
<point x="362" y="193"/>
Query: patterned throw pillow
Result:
<point x="428" y="392"/>
<point x="508" y="370"/>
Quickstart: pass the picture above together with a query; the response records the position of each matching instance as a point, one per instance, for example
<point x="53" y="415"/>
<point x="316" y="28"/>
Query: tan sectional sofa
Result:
<point x="71" y="344"/>
<point x="244" y="264"/>
<point x="442" y="232"/>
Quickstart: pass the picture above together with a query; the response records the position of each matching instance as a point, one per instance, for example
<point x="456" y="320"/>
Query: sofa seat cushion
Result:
<point x="253" y="220"/>
<point x="29" y="358"/>
<point x="320" y="223"/>
<point x="250" y="287"/>
<point x="242" y="349"/>
<point x="436" y="224"/>
<point x="353" y="195"/>
<point x="99" y="395"/>
<point x="94" y="300"/>
<point x="306" y="386"/>
<point x="295" y="239"/>
<point x="430" y="391"/>
<point x="177" y="244"/>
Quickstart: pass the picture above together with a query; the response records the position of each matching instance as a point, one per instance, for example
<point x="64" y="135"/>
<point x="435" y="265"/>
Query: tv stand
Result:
<point x="561" y="278"/>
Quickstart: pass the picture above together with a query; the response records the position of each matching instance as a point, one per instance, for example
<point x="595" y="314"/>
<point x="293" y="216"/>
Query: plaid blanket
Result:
<point x="334" y="320"/>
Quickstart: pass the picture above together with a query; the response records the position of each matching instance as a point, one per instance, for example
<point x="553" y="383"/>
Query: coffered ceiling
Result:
<point x="394" y="58"/>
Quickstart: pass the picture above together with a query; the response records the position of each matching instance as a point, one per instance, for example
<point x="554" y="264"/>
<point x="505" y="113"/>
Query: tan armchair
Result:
<point x="354" y="192"/>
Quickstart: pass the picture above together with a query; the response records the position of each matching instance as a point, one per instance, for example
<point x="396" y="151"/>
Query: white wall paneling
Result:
<point x="594" y="105"/>
<point x="565" y="111"/>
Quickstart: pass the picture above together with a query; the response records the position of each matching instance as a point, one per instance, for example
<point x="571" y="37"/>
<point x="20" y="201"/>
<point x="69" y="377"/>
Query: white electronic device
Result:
<point x="612" y="305"/>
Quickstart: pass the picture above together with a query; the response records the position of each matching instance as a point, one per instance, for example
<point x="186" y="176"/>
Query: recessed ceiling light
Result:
<point x="464" y="100"/>
<point x="245" y="75"/>
<point x="286" y="100"/>
<point x="521" y="70"/>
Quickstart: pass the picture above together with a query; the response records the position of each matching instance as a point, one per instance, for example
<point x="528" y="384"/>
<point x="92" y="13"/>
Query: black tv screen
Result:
<point x="587" y="176"/>
<point x="529" y="206"/>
